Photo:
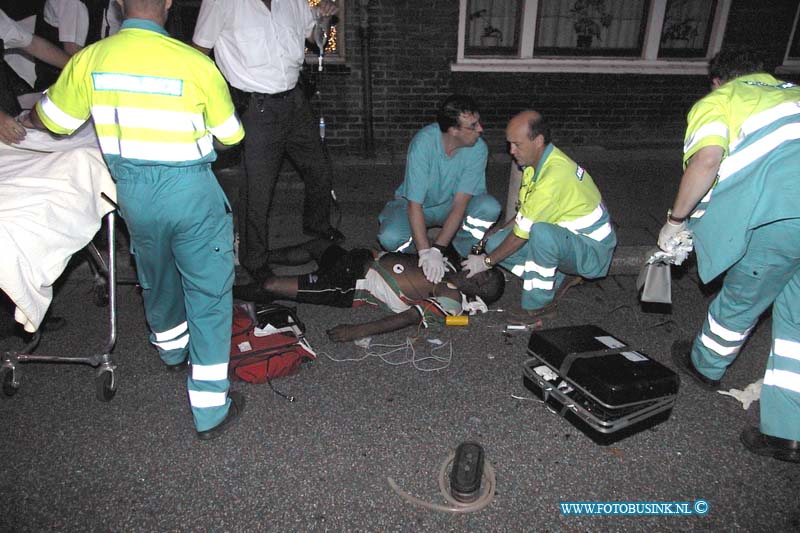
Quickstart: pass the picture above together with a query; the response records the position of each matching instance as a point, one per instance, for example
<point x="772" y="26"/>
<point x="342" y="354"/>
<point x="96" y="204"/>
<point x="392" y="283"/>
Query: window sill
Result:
<point x="584" y="66"/>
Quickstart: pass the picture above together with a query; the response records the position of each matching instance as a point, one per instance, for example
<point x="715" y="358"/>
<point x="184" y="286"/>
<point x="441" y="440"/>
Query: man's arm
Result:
<point x="697" y="179"/>
<point x="47" y="52"/>
<point x="454" y="218"/>
<point x="416" y="219"/>
<point x="351" y="332"/>
<point x="201" y="49"/>
<point x="510" y="245"/>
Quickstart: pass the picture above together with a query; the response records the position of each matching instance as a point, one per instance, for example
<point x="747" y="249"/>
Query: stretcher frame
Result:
<point x="105" y="378"/>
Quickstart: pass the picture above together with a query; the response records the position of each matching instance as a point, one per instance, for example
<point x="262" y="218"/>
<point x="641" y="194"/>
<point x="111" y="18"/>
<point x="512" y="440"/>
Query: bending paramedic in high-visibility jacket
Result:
<point x="740" y="196"/>
<point x="562" y="230"/>
<point x="157" y="105"/>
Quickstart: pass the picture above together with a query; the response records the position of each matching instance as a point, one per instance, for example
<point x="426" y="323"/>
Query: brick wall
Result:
<point x="413" y="42"/>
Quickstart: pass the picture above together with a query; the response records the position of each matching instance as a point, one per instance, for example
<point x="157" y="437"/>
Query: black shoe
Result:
<point x="331" y="234"/>
<point x="236" y="408"/>
<point x="775" y="447"/>
<point x="252" y="292"/>
<point x="178" y="367"/>
<point x="682" y="357"/>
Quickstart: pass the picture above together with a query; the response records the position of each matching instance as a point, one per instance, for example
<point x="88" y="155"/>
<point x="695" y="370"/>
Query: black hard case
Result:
<point x="603" y="385"/>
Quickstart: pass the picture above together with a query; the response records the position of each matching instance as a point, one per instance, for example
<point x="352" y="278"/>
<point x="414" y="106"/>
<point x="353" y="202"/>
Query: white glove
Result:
<point x="667" y="237"/>
<point x="474" y="264"/>
<point x="432" y="263"/>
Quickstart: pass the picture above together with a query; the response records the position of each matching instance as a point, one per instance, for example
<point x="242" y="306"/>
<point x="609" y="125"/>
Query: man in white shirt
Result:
<point x="64" y="22"/>
<point x="15" y="37"/>
<point x="259" y="45"/>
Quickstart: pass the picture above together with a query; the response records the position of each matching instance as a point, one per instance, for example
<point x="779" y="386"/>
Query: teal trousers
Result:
<point x="181" y="231"/>
<point x="549" y="255"/>
<point x="768" y="274"/>
<point x="394" y="233"/>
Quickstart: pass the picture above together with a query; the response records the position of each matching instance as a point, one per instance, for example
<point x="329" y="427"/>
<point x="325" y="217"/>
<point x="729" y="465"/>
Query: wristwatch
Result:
<point x="487" y="260"/>
<point x="674" y="219"/>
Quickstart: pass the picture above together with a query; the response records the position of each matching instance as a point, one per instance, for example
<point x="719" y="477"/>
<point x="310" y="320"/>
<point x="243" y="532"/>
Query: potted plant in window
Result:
<point x="589" y="17"/>
<point x="490" y="36"/>
<point x="680" y="31"/>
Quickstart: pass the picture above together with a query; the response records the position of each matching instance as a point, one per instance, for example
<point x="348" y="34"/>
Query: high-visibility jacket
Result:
<point x="154" y="100"/>
<point x="755" y="119"/>
<point x="560" y="192"/>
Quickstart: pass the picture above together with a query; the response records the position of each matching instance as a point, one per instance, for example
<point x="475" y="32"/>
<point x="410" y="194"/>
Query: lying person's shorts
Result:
<point x="334" y="283"/>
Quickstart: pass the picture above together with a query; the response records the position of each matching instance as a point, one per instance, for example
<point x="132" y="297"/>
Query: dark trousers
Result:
<point x="275" y="126"/>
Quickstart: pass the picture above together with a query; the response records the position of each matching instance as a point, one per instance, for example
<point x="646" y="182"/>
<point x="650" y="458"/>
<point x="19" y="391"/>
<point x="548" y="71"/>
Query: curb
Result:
<point x="628" y="260"/>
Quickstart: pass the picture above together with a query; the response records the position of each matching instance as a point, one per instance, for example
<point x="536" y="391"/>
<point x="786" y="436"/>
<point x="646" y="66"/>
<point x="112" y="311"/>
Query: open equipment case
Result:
<point x="600" y="384"/>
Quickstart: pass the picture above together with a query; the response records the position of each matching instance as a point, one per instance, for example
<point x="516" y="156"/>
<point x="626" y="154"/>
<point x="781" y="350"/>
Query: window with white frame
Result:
<point x="659" y="36"/>
<point x="791" y="61"/>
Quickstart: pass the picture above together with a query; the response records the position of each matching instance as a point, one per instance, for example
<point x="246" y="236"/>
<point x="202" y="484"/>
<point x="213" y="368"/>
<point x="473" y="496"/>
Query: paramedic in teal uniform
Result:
<point x="157" y="122"/>
<point x="740" y="196"/>
<point x="444" y="185"/>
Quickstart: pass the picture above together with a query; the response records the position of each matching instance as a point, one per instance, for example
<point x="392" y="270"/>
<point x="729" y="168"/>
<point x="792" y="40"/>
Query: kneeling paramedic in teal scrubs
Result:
<point x="157" y="105"/>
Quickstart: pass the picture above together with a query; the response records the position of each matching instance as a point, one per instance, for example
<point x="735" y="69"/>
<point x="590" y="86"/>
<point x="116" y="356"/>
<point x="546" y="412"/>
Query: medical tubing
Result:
<point x="486" y="497"/>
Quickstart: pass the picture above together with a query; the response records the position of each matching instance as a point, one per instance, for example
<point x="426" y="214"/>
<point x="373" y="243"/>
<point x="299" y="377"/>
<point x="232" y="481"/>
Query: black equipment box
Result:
<point x="599" y="383"/>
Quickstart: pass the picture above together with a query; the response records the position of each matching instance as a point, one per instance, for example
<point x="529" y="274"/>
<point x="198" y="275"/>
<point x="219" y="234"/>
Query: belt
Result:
<point x="282" y="94"/>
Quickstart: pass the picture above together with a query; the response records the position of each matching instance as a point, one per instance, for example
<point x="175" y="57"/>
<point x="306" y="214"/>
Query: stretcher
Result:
<point x="53" y="197"/>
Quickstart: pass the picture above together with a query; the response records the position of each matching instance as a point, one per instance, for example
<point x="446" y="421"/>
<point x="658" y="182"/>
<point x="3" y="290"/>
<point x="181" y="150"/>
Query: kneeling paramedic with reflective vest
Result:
<point x="562" y="231"/>
<point x="156" y="103"/>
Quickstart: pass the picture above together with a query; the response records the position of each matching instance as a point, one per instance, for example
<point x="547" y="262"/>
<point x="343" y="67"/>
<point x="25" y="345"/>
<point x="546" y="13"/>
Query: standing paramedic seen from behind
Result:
<point x="259" y="46"/>
<point x="740" y="196"/>
<point x="157" y="105"/>
<point x="562" y="230"/>
<point x="444" y="185"/>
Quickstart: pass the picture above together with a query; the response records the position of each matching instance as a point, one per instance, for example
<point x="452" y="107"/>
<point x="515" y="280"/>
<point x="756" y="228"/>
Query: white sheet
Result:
<point x="50" y="207"/>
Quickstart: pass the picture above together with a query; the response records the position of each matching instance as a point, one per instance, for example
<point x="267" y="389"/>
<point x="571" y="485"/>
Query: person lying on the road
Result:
<point x="392" y="281"/>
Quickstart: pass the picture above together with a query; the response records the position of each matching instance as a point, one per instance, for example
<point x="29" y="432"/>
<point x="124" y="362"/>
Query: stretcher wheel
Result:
<point x="105" y="385"/>
<point x="9" y="387"/>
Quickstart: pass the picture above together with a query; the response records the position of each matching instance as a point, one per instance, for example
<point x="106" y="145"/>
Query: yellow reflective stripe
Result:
<point x="171" y="333"/>
<point x="207" y="399"/>
<point x="725" y="333"/>
<point x="735" y="162"/>
<point x="55" y="114"/>
<point x="210" y="372"/>
<point x="784" y="348"/>
<point x="583" y="222"/>
<point x="227" y="129"/>
<point x="131" y="83"/>
<point x="714" y="346"/>
<point x="478" y="222"/>
<point x="531" y="284"/>
<point x="156" y="151"/>
<point x="152" y="119"/>
<point x="783" y="379"/>
<point x="714" y="129"/>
